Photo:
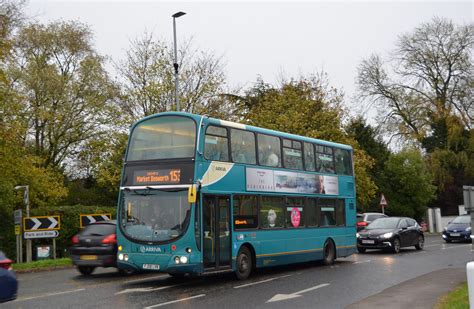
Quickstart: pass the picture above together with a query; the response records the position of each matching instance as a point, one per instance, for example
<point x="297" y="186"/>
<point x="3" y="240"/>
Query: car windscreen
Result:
<point x="98" y="230"/>
<point x="383" y="223"/>
<point x="462" y="220"/>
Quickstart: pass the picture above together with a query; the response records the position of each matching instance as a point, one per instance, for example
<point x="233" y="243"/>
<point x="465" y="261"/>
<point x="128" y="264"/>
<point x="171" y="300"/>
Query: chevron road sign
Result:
<point x="41" y="223"/>
<point x="87" y="219"/>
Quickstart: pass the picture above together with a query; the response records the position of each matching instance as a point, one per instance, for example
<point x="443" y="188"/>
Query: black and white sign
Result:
<point x="91" y="218"/>
<point x="41" y="234"/>
<point x="42" y="223"/>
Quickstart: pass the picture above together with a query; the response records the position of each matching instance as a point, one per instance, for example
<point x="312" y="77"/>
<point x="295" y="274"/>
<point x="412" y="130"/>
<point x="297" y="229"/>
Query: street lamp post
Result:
<point x="26" y="200"/>
<point x="175" y="64"/>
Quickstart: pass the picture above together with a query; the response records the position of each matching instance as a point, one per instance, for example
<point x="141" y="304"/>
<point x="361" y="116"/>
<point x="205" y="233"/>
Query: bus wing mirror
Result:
<point x="192" y="194"/>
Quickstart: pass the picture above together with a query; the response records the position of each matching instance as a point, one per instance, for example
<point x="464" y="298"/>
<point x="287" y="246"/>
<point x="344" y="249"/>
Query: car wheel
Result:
<point x="361" y="250"/>
<point x="244" y="263"/>
<point x="86" y="270"/>
<point x="329" y="253"/>
<point x="396" y="245"/>
<point x="421" y="243"/>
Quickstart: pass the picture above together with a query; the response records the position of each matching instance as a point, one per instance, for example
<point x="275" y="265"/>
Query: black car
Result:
<point x="95" y="246"/>
<point x="391" y="233"/>
<point x="8" y="281"/>
<point x="458" y="229"/>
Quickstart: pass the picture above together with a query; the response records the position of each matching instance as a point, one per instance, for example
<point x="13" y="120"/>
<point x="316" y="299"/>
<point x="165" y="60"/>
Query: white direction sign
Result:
<point x="279" y="297"/>
<point x="41" y="234"/>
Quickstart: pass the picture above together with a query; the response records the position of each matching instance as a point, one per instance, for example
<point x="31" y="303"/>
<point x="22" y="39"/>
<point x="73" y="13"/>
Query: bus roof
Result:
<point x="241" y="126"/>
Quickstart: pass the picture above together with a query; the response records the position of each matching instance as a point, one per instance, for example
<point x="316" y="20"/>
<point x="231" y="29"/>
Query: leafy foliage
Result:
<point x="407" y="184"/>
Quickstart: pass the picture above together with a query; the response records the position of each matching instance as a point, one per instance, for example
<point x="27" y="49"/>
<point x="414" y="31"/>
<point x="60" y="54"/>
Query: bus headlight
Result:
<point x="120" y="256"/>
<point x="176" y="259"/>
<point x="125" y="257"/>
<point x="183" y="259"/>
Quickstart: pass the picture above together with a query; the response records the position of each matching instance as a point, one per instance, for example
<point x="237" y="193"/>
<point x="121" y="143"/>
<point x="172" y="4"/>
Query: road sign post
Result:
<point x="383" y="203"/>
<point x="19" y="244"/>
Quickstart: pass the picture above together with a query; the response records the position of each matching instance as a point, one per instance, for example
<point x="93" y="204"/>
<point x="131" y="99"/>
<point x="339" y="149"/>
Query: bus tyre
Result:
<point x="244" y="263"/>
<point x="329" y="253"/>
<point x="126" y="272"/>
<point x="420" y="244"/>
<point x="86" y="270"/>
<point x="396" y="245"/>
<point x="177" y="275"/>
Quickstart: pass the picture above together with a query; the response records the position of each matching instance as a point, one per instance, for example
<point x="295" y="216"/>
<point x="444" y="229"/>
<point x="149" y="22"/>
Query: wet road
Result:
<point x="308" y="285"/>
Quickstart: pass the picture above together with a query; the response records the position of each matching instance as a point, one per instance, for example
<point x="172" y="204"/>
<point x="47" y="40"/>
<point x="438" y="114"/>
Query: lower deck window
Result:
<point x="271" y="212"/>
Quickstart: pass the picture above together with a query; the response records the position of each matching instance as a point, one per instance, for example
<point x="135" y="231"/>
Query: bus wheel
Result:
<point x="244" y="263"/>
<point x="329" y="253"/>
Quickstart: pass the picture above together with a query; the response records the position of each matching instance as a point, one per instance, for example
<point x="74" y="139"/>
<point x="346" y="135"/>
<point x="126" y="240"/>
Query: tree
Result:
<point x="407" y="184"/>
<point x="430" y="80"/>
<point x="148" y="80"/>
<point x="308" y="107"/>
<point x="67" y="95"/>
<point x="370" y="141"/>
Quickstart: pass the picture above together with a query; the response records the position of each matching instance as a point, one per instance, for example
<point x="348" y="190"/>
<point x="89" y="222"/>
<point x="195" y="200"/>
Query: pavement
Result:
<point x="421" y="292"/>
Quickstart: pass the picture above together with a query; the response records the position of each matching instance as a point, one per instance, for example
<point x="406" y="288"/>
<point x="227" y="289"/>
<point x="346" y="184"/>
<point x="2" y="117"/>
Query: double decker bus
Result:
<point x="201" y="195"/>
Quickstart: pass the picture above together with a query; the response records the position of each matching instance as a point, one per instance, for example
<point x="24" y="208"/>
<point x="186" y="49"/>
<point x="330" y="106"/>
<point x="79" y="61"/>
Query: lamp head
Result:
<point x="178" y="14"/>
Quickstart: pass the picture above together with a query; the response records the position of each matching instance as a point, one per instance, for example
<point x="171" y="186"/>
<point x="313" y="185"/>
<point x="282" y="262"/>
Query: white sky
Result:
<point x="261" y="38"/>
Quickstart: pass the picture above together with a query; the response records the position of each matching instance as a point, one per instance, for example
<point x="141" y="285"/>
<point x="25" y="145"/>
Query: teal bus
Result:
<point x="200" y="195"/>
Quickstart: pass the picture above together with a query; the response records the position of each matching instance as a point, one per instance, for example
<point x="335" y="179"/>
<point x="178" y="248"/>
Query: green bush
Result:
<point x="70" y="225"/>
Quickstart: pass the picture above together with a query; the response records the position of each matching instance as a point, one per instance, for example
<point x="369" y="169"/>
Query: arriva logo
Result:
<point x="144" y="249"/>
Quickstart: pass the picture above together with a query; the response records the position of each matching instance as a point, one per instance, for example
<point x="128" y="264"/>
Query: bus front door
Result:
<point x="217" y="236"/>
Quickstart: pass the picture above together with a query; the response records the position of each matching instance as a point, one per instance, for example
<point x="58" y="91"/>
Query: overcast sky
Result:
<point x="261" y="38"/>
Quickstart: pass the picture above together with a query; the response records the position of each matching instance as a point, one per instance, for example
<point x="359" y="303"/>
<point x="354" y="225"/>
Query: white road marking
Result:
<point x="279" y="297"/>
<point x="258" y="282"/>
<point x="451" y="247"/>
<point x="427" y="246"/>
<point x="149" y="289"/>
<point x="49" y="294"/>
<point x="175" y="301"/>
<point x="144" y="279"/>
<point x="360" y="262"/>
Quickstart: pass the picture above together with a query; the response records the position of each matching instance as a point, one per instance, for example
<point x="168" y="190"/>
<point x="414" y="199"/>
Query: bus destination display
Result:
<point x="157" y="177"/>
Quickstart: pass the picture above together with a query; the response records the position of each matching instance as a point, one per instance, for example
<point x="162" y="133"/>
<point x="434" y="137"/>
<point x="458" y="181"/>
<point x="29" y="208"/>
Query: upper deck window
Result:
<point x="324" y="159"/>
<point x="164" y="137"/>
<point x="343" y="161"/>
<point x="216" y="144"/>
<point x="243" y="146"/>
<point x="292" y="156"/>
<point x="269" y="153"/>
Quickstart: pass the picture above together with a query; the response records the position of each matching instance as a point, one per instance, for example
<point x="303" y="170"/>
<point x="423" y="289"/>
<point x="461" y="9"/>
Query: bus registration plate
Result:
<point x="151" y="266"/>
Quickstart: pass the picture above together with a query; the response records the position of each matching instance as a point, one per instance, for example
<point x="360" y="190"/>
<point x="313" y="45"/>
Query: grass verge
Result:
<point x="42" y="265"/>
<point x="456" y="299"/>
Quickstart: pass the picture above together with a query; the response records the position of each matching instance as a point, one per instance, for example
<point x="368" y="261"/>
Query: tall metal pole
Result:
<point x="26" y="200"/>
<point x="175" y="64"/>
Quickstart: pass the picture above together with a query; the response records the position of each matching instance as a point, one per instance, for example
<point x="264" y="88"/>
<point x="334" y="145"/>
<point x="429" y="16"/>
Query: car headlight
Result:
<point x="357" y="235"/>
<point x="468" y="229"/>
<point x="387" y="235"/>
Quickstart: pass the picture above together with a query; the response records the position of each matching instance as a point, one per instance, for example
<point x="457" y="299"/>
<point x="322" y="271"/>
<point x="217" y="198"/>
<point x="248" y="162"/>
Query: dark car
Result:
<point x="95" y="246"/>
<point x="366" y="218"/>
<point x="8" y="282"/>
<point x="458" y="229"/>
<point x="391" y="233"/>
